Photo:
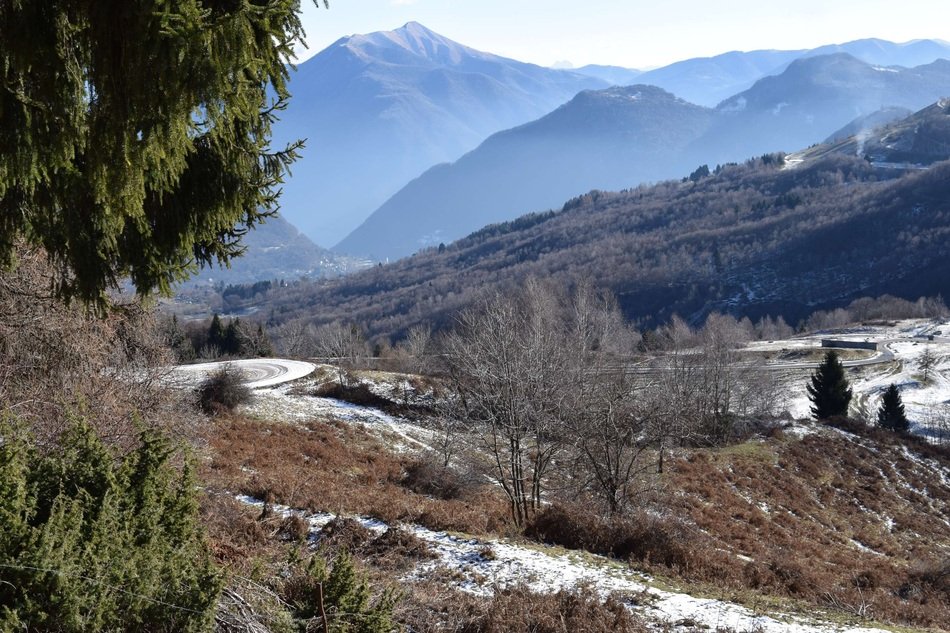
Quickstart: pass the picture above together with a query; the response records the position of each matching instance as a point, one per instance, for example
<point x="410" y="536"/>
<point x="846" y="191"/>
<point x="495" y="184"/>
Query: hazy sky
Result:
<point x="632" y="33"/>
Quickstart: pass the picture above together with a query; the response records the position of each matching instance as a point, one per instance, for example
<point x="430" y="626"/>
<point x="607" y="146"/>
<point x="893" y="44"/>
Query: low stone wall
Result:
<point x="830" y="342"/>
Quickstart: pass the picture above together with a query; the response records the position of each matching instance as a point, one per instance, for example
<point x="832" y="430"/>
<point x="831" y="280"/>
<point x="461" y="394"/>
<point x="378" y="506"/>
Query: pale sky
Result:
<point x="632" y="33"/>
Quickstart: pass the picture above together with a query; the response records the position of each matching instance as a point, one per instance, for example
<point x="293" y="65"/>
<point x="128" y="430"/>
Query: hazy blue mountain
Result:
<point x="621" y="137"/>
<point x="606" y="139"/>
<point x="709" y="80"/>
<point x="613" y="75"/>
<point x="918" y="139"/>
<point x="883" y="53"/>
<point x="868" y="122"/>
<point x="811" y="99"/>
<point x="380" y="109"/>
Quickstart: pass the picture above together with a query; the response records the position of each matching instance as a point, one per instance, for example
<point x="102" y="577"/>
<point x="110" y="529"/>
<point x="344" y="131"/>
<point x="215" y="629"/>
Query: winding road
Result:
<point x="257" y="372"/>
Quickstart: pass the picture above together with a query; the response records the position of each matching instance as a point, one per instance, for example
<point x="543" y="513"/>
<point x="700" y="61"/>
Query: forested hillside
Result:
<point x="754" y="239"/>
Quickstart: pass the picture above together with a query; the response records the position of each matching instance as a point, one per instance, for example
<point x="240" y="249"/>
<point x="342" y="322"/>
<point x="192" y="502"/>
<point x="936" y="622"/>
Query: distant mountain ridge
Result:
<point x="812" y="98"/>
<point x="710" y="80"/>
<point x="599" y="139"/>
<point x="379" y="109"/>
<point x="621" y="137"/>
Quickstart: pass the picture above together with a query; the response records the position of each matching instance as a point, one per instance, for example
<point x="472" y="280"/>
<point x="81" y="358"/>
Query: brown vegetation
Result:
<point x="838" y="521"/>
<point x="58" y="361"/>
<point x="337" y="468"/>
<point x="432" y="606"/>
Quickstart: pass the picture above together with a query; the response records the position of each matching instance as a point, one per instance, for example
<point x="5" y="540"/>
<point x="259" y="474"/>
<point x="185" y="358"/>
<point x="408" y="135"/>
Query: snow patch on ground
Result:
<point x="259" y="372"/>
<point x="926" y="402"/>
<point x="289" y="403"/>
<point x="546" y="569"/>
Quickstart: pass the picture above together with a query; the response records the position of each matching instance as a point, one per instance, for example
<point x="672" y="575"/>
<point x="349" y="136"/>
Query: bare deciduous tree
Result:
<point x="415" y="348"/>
<point x="342" y="344"/>
<point x="58" y="360"/>
<point x="615" y="442"/>
<point x="514" y="368"/>
<point x="926" y="363"/>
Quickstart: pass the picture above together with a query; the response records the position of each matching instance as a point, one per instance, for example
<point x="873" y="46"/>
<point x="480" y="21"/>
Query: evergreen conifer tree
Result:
<point x="891" y="415"/>
<point x="231" y="345"/>
<point x="91" y="542"/>
<point x="216" y="334"/>
<point x="828" y="390"/>
<point x="135" y="136"/>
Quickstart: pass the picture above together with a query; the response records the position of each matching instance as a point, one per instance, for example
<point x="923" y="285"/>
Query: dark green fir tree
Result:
<point x="135" y="137"/>
<point x="828" y="390"/>
<point x="216" y="333"/>
<point x="891" y="415"/>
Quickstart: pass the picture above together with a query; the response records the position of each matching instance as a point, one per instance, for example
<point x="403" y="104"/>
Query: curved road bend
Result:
<point x="258" y="372"/>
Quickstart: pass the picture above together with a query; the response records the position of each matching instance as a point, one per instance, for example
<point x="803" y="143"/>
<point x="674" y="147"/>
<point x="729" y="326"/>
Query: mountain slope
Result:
<point x="614" y="139"/>
<point x="868" y="122"/>
<point x="919" y="139"/>
<point x="379" y="109"/>
<point x="753" y="239"/>
<point x="601" y="139"/>
<point x="614" y="75"/>
<point x="709" y="80"/>
<point x="277" y="250"/>
<point x="879" y="52"/>
<point x="813" y="98"/>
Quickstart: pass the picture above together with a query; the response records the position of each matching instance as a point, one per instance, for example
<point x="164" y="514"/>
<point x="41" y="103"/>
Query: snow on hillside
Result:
<point x="291" y="403"/>
<point x="907" y="341"/>
<point x="481" y="565"/>
<point x="547" y="569"/>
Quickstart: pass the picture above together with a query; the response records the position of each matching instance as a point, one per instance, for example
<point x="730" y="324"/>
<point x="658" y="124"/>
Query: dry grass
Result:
<point x="842" y="523"/>
<point x="855" y="524"/>
<point x="432" y="607"/>
<point x="845" y="522"/>
<point x="341" y="469"/>
<point x="264" y="569"/>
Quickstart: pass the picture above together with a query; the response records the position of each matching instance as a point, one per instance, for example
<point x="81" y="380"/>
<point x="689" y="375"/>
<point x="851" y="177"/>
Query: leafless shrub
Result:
<point x="343" y="533"/>
<point x="396" y="549"/>
<point x="224" y="390"/>
<point x="519" y="609"/>
<point x="930" y="577"/>
<point x="57" y="360"/>
<point x="294" y="528"/>
<point x="650" y="540"/>
<point x="425" y="476"/>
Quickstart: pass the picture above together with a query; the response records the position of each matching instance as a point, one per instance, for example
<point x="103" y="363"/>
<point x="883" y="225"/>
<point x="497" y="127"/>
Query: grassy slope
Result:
<point x="853" y="524"/>
<point x="841" y="520"/>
